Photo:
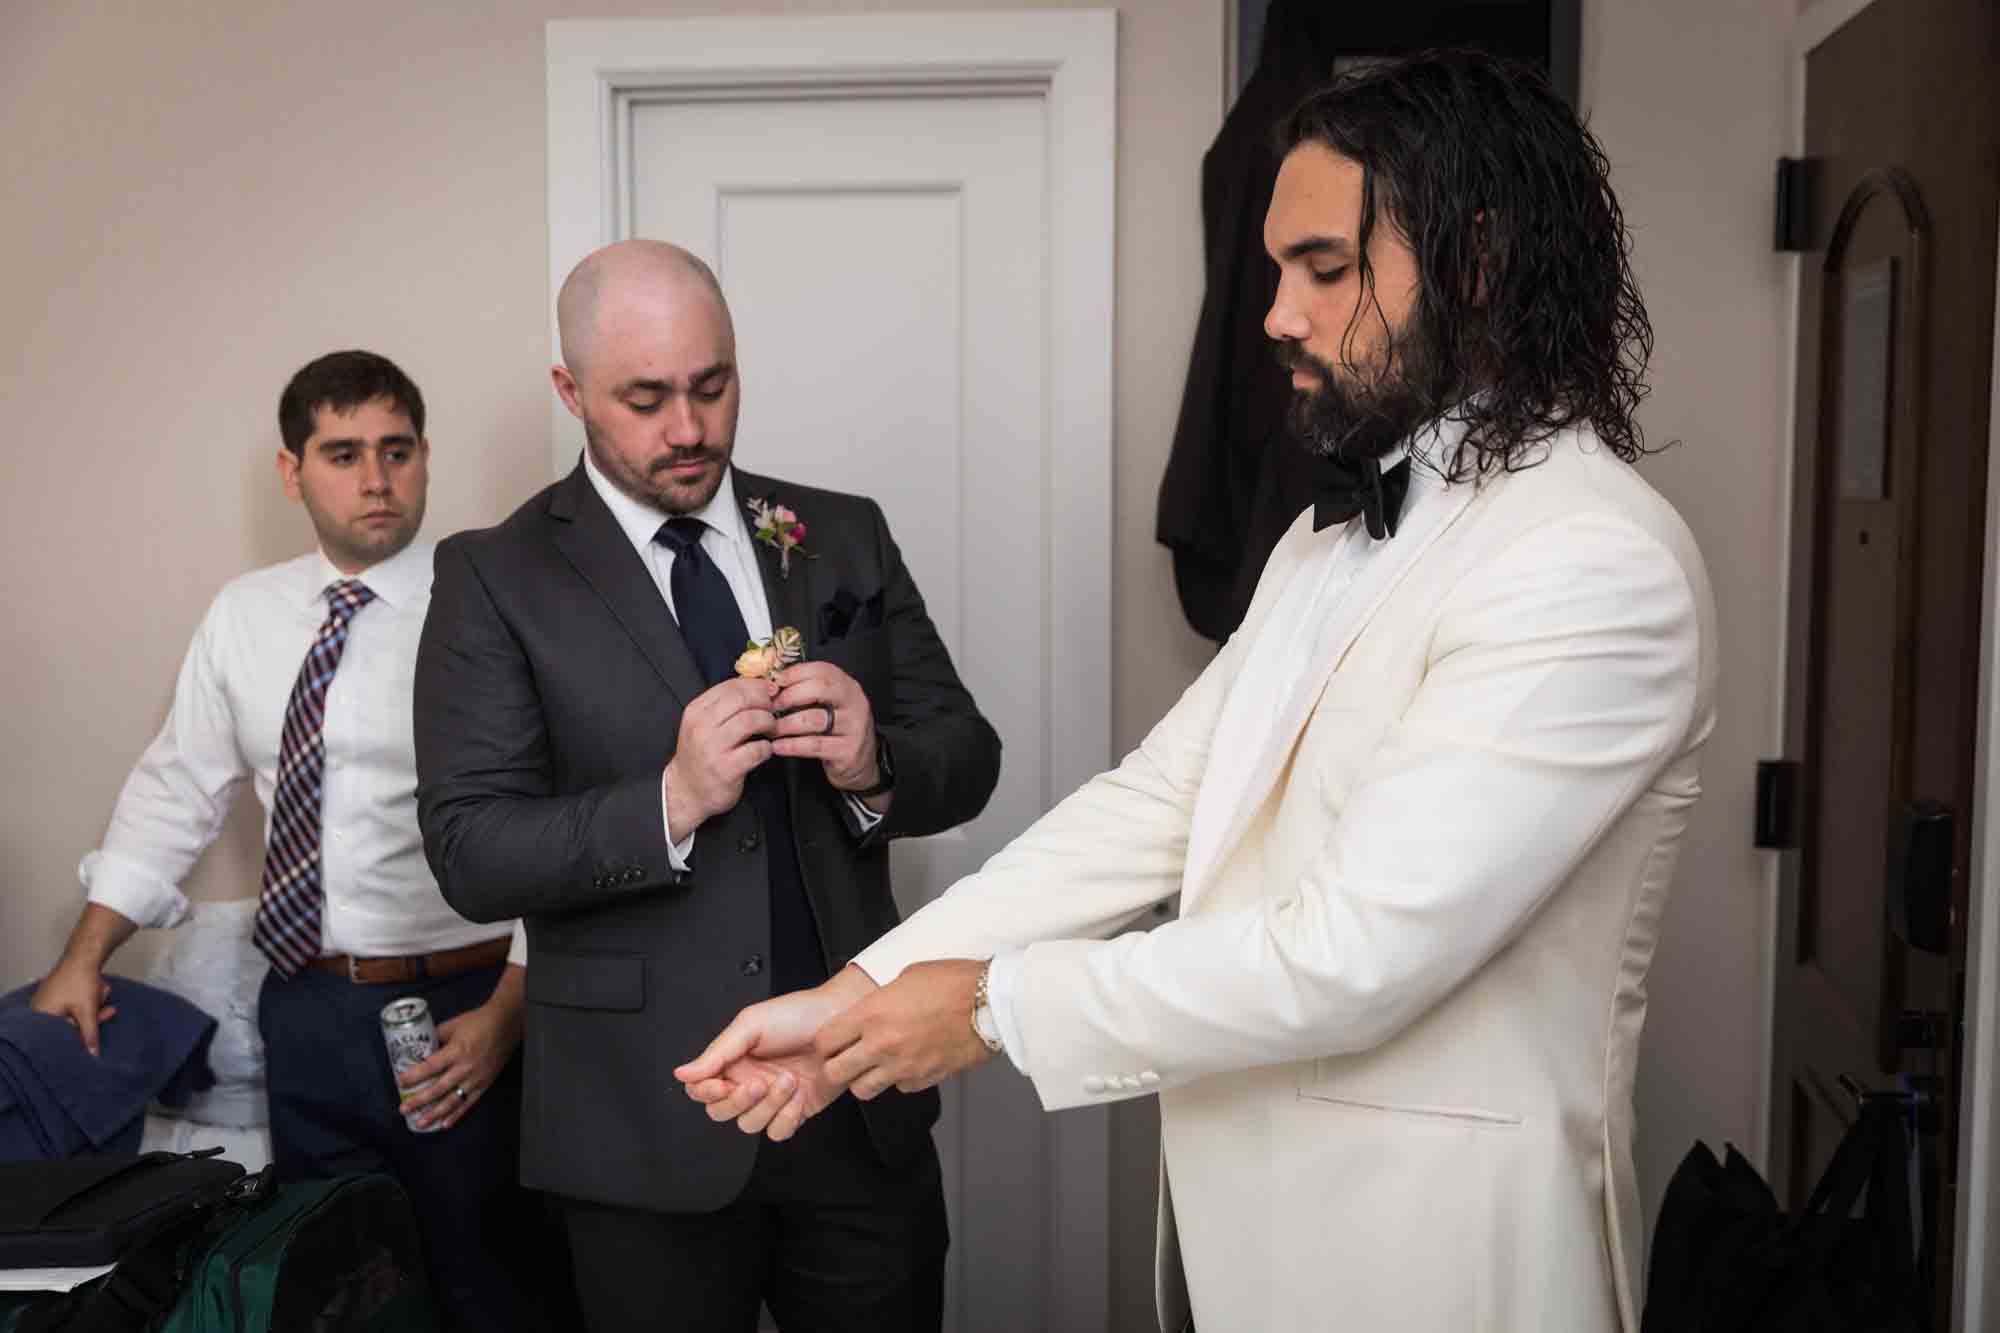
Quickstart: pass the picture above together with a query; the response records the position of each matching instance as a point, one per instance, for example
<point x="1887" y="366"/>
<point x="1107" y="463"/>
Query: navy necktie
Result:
<point x="712" y="626"/>
<point x="711" y="622"/>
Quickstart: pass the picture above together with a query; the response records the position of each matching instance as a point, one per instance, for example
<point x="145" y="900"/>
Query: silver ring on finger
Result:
<point x="828" y="729"/>
<point x="460" y="1090"/>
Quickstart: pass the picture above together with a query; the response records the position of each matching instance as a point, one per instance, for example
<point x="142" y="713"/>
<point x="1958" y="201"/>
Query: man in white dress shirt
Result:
<point x="299" y="681"/>
<point x="1422" y="810"/>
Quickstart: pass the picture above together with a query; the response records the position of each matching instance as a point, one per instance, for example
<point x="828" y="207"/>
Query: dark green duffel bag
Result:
<point x="330" y="1256"/>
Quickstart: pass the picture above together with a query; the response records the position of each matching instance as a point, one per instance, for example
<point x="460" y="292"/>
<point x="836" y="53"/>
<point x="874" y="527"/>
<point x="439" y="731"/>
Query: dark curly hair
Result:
<point x="1527" y="309"/>
<point x="344" y="381"/>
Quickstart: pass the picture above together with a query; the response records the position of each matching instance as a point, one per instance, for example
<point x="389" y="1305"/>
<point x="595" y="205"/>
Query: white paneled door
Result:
<point x="911" y="218"/>
<point x="889" y="295"/>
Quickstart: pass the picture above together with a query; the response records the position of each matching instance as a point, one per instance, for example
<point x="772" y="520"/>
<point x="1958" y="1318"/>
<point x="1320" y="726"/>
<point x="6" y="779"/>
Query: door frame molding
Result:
<point x="1819" y="21"/>
<point x="1976" y="1299"/>
<point x="1976" y="1294"/>
<point x="1813" y="26"/>
<point x="1067" y="59"/>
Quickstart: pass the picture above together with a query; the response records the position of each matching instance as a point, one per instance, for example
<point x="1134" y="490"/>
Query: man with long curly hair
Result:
<point x="1422" y="810"/>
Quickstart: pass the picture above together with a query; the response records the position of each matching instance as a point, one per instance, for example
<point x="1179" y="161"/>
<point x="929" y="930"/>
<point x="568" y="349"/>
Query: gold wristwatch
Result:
<point x="984" y="1025"/>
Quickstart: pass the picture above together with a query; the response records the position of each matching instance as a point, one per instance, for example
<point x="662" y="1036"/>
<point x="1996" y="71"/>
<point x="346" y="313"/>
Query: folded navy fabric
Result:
<point x="57" y="1099"/>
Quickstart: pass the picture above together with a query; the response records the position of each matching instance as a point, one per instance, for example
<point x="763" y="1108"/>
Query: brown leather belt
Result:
<point x="415" y="967"/>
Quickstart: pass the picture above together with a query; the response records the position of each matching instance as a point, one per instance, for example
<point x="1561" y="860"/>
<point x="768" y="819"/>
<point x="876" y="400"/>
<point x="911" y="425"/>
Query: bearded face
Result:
<point x="1348" y="316"/>
<point x="1364" y="412"/>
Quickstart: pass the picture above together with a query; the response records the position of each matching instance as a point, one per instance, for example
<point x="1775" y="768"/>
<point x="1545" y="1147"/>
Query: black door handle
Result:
<point x="1920" y="864"/>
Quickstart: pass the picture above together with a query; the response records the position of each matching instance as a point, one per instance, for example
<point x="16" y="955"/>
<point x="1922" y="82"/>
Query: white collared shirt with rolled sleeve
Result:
<point x="226" y="725"/>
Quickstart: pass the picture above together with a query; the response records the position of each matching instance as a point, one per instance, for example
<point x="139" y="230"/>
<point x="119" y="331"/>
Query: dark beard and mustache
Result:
<point x="648" y="487"/>
<point x="1355" y="418"/>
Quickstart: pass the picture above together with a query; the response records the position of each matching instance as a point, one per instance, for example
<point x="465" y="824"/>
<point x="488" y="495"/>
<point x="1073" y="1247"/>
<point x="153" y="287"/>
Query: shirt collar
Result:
<point x="1430" y="446"/>
<point x="400" y="580"/>
<point x="639" y="521"/>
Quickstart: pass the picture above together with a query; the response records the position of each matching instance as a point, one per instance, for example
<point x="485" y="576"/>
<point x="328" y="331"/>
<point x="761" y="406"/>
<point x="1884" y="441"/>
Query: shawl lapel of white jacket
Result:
<point x="1256" y="732"/>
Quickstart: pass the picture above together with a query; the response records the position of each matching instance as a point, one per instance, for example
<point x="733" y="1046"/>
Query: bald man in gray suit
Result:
<point x="683" y="840"/>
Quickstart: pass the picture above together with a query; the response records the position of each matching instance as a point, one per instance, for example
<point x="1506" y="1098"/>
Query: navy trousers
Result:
<point x="334" y="1110"/>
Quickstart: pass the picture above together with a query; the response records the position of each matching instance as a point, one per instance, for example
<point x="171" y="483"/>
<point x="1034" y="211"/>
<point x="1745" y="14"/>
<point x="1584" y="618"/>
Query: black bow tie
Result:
<point x="1343" y="488"/>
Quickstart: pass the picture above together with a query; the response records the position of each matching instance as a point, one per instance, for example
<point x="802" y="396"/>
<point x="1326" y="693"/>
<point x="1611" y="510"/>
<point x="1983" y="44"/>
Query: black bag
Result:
<point x="339" y="1255"/>
<point x="82" y="1212"/>
<point x="1726" y="1260"/>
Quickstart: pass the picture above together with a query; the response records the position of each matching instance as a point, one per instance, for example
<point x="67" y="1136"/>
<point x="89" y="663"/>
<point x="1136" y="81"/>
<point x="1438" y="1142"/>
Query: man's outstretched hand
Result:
<point x="762" y="1071"/>
<point x="785" y="1060"/>
<point x="912" y="1034"/>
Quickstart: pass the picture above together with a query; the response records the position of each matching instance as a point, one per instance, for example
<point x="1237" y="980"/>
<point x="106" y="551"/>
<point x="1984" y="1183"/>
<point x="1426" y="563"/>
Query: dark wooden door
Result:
<point x="1895" y="358"/>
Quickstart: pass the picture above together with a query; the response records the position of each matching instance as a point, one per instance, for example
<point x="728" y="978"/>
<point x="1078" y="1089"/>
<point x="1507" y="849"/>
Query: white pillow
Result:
<point x="212" y="964"/>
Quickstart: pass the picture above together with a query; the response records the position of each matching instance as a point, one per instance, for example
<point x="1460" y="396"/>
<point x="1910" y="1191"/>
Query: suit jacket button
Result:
<point x="748" y="842"/>
<point x="1093" y="1084"/>
<point x="753" y="964"/>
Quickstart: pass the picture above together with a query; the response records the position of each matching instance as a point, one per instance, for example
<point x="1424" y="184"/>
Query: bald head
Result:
<point x="660" y="278"/>
<point x="649" y="368"/>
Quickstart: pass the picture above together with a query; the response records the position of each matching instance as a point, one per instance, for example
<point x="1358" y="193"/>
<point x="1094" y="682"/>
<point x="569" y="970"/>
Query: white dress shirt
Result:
<point x="226" y="724"/>
<point x="727" y="542"/>
<point x="1272" y="672"/>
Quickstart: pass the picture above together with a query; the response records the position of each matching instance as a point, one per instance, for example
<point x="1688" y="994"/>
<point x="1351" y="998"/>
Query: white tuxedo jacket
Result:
<point x="1422" y="811"/>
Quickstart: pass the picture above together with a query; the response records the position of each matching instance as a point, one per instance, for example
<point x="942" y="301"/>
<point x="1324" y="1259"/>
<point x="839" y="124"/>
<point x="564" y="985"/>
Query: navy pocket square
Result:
<point x="844" y="614"/>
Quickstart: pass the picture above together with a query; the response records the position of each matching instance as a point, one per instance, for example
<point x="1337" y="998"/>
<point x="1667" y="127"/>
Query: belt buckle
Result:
<point x="353" y="969"/>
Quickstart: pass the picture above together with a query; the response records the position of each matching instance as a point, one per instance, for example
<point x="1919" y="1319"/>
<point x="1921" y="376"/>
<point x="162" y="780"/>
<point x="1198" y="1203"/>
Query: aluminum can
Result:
<point x="411" y="1036"/>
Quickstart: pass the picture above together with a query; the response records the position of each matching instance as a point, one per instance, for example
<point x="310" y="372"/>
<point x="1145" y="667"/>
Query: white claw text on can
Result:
<point x="411" y="1036"/>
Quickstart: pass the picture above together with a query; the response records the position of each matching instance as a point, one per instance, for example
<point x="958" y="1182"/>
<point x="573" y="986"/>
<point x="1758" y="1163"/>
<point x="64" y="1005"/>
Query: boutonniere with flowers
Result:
<point x="785" y="646"/>
<point x="779" y="528"/>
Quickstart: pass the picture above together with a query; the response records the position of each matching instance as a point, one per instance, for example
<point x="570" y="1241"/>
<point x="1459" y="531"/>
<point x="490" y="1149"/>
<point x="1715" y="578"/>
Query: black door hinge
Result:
<point x="1777" y="804"/>
<point x="1792" y="230"/>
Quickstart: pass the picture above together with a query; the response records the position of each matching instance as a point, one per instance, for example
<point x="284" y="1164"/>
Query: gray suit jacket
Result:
<point x="549" y="691"/>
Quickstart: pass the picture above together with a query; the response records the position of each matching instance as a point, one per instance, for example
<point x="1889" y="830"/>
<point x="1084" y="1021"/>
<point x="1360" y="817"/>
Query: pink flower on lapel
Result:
<point x="780" y="529"/>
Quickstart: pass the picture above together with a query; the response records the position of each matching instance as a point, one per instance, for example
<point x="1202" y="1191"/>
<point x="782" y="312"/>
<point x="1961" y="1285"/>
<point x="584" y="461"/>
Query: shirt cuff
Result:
<point x="677" y="852"/>
<point x="131" y="890"/>
<point x="1003" y="996"/>
<point x="869" y="818"/>
<point x="517" y="950"/>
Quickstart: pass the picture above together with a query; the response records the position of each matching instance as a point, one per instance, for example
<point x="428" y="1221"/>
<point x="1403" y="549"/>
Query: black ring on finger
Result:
<point x="828" y="729"/>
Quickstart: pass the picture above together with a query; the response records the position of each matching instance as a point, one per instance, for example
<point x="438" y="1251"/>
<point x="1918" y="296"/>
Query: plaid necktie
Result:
<point x="288" y="912"/>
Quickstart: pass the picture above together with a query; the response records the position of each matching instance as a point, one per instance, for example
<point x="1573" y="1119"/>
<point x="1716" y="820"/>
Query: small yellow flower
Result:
<point x="785" y="646"/>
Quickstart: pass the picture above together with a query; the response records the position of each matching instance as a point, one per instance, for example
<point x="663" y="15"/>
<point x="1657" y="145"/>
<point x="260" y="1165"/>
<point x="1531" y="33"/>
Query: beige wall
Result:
<point x="197" y="205"/>
<point x="1693" y="106"/>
